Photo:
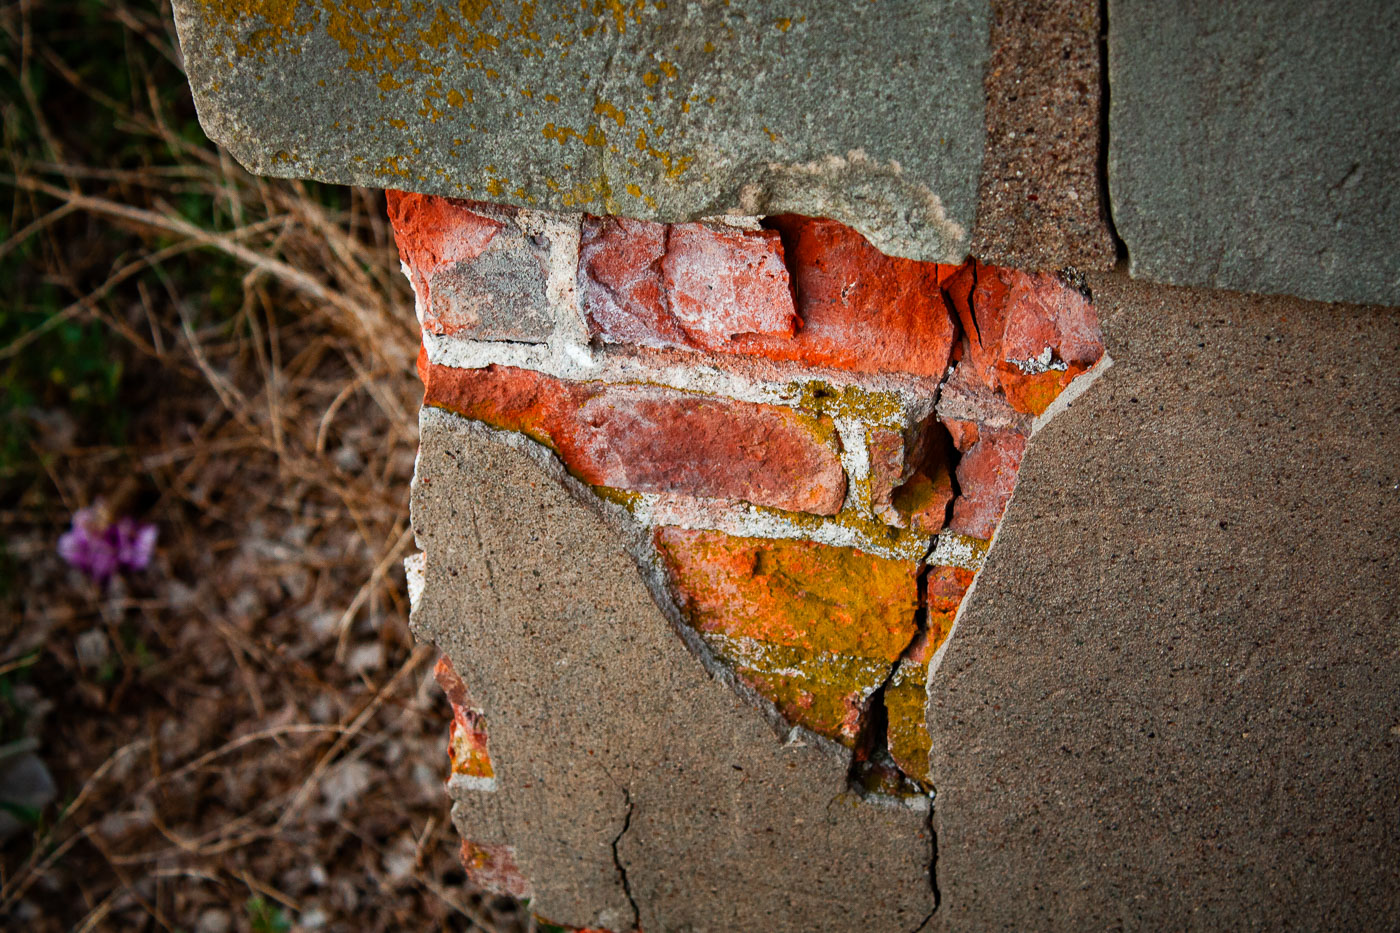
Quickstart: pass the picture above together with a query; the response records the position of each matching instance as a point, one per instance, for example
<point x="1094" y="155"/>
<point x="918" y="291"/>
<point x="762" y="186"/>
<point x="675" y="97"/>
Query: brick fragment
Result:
<point x="963" y="433"/>
<point x="910" y="491"/>
<point x="724" y="282"/>
<point x="466" y="742"/>
<point x="499" y="295"/>
<point x="651" y="439"/>
<point x="814" y="628"/>
<point x="861" y="310"/>
<point x="906" y="730"/>
<point x="688" y="286"/>
<point x="986" y="479"/>
<point x="432" y="232"/>
<point x="620" y="283"/>
<point x="1028" y="334"/>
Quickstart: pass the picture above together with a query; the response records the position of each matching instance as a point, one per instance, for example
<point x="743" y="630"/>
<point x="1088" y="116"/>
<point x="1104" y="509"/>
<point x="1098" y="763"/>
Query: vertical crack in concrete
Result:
<point x="622" y="869"/>
<point x="932" y="864"/>
<point x="1106" y="198"/>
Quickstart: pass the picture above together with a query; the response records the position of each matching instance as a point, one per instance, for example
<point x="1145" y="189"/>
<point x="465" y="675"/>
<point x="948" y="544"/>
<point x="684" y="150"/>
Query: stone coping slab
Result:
<point x="1255" y="146"/>
<point x="868" y="113"/>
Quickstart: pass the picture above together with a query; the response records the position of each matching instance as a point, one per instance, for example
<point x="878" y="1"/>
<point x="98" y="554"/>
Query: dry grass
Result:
<point x="261" y="742"/>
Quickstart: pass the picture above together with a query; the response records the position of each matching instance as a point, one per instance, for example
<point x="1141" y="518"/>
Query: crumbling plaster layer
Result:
<point x="1172" y="701"/>
<point x="597" y="709"/>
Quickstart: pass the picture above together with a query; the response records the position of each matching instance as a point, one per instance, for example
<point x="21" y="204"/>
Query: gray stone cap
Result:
<point x="866" y="111"/>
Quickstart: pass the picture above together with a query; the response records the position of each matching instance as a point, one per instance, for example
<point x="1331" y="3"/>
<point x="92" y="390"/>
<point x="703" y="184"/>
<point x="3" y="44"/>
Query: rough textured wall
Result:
<point x="1256" y="146"/>
<point x="805" y="446"/>
<point x="1174" y="700"/>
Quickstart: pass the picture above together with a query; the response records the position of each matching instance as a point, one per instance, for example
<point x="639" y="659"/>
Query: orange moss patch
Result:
<point x="813" y="628"/>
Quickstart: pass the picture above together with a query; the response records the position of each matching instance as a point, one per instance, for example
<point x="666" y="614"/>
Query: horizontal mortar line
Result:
<point x="741" y="519"/>
<point x="705" y="373"/>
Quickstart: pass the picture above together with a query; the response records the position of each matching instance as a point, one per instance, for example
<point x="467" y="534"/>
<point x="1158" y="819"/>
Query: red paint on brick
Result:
<point x="650" y="439"/>
<point x="1028" y="334"/>
<point x="432" y="232"/>
<point x="986" y="479"/>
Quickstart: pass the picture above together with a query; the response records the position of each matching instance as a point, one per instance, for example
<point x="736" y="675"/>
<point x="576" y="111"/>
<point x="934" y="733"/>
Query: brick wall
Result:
<point x="818" y="439"/>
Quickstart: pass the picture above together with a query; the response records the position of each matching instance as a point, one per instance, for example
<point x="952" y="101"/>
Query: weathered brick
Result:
<point x="910" y="491"/>
<point x="861" y="310"/>
<point x="814" y="628"/>
<point x="476" y="273"/>
<point x="652" y="439"/>
<point x="723" y="282"/>
<point x="963" y="433"/>
<point x="1028" y="334"/>
<point x="986" y="479"/>
<point x="620" y="283"/>
<point x="688" y="286"/>
<point x="698" y="287"/>
<point x="466" y="743"/>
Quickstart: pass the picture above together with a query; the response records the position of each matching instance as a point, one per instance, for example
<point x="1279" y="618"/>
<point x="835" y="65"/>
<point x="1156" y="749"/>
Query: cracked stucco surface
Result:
<point x="1171" y="700"/>
<point x="596" y="707"/>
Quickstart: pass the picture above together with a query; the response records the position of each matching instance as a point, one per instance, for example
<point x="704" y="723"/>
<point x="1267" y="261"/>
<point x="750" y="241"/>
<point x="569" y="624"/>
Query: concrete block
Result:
<point x="1256" y="146"/>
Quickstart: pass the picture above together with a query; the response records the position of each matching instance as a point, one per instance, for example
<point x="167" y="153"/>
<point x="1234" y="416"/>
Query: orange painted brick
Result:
<point x="1028" y="334"/>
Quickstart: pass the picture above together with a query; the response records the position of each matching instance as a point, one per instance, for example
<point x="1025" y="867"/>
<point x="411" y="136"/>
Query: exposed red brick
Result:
<point x="651" y="439"/>
<point x="914" y="491"/>
<point x="946" y="587"/>
<point x="986" y="479"/>
<point x="1028" y="335"/>
<point x="963" y="433"/>
<point x="722" y="282"/>
<point x="721" y="290"/>
<point x="620" y="282"/>
<point x="886" y="473"/>
<point x="1044" y="313"/>
<point x="433" y="232"/>
<point x="861" y="310"/>
<point x="467" y="733"/>
<point x="690" y="286"/>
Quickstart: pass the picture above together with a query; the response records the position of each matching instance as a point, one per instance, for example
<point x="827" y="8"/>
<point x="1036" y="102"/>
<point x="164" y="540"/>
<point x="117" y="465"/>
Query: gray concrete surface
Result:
<point x="604" y="729"/>
<point x="1173" y="701"/>
<point x="869" y="113"/>
<point x="1256" y="146"/>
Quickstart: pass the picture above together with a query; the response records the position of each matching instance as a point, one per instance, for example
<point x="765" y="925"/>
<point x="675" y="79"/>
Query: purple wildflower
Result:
<point x="100" y="548"/>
